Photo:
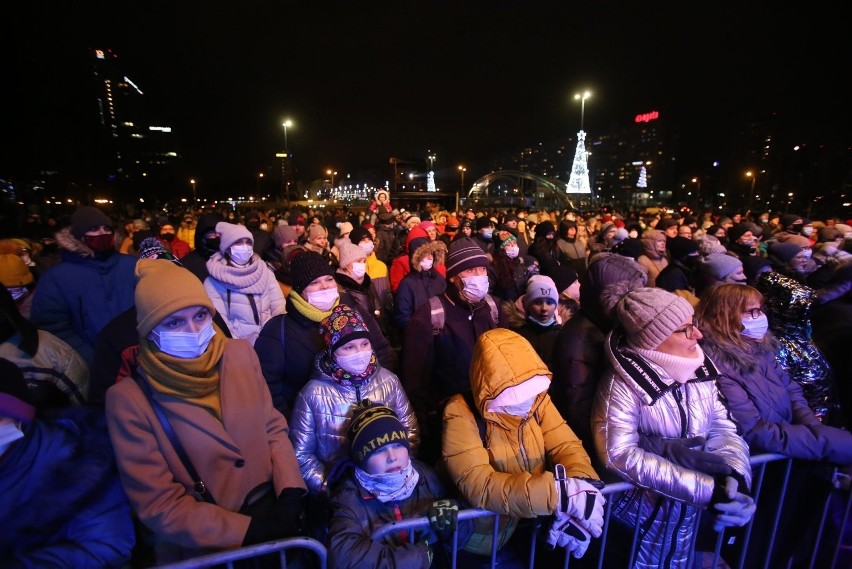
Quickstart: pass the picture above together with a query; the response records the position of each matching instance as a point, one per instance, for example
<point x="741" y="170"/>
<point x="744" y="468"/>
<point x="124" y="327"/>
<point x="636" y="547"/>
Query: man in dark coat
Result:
<point x="206" y="243"/>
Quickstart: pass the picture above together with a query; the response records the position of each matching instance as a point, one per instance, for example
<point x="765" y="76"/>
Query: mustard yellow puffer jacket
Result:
<point x="513" y="475"/>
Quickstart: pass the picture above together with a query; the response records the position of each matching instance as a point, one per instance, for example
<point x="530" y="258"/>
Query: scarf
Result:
<point x="194" y="380"/>
<point x="389" y="486"/>
<point x="308" y="310"/>
<point x="679" y="368"/>
<point x="330" y="367"/>
<point x="248" y="279"/>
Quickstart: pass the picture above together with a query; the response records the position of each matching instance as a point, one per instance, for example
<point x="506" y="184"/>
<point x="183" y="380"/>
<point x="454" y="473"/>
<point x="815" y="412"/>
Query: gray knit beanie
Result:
<point x="650" y="315"/>
<point x="230" y="233"/>
<point x="349" y="253"/>
<point x="719" y="266"/>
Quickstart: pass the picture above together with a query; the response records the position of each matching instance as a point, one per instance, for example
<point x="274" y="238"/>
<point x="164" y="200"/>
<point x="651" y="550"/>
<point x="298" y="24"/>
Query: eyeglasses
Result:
<point x="754" y="313"/>
<point x="688" y="330"/>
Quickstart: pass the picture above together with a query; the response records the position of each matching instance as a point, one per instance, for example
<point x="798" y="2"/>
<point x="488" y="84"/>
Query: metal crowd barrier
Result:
<point x="611" y="490"/>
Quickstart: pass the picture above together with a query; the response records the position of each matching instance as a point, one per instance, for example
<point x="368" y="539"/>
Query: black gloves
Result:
<point x="443" y="517"/>
<point x="284" y="520"/>
<point x="683" y="453"/>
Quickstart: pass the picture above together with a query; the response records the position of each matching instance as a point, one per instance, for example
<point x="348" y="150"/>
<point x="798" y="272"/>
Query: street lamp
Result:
<point x="286" y="124"/>
<point x="332" y="174"/>
<point x="462" y="170"/>
<point x="698" y="190"/>
<point x="192" y="183"/>
<point x="753" y="176"/>
<point x="284" y="170"/>
<point x="582" y="98"/>
<point x="259" y="176"/>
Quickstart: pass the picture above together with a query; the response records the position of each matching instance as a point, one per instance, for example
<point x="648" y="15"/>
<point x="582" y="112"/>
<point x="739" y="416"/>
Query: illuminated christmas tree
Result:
<point x="643" y="178"/>
<point x="578" y="183"/>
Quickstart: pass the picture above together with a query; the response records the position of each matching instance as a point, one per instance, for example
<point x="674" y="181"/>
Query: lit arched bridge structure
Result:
<point x="514" y="189"/>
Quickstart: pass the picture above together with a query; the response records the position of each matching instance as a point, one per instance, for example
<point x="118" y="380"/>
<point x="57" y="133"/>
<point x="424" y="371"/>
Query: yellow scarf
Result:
<point x="195" y="380"/>
<point x="308" y="310"/>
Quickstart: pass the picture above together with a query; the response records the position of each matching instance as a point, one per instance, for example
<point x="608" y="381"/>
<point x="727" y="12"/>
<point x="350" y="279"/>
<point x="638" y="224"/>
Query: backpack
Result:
<point x="437" y="310"/>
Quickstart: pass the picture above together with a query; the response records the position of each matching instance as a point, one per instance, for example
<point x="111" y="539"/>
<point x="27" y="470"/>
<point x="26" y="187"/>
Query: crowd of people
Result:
<point x="181" y="383"/>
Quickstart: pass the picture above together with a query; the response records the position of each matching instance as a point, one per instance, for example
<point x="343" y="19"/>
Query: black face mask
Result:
<point x="796" y="227"/>
<point x="168" y="236"/>
<point x="212" y="244"/>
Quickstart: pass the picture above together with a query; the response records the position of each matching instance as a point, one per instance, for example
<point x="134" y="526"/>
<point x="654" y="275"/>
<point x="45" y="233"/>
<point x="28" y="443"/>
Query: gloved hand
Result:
<point x="263" y="529"/>
<point x="289" y="510"/>
<point x="734" y="508"/>
<point x="566" y="532"/>
<point x="683" y="452"/>
<point x="579" y="500"/>
<point x="444" y="517"/>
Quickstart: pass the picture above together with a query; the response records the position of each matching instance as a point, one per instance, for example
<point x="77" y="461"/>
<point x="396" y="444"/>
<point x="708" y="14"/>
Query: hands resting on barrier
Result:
<point x="579" y="513"/>
<point x="733" y="508"/>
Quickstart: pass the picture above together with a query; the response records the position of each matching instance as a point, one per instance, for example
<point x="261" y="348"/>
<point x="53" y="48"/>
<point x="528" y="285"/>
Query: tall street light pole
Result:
<point x="698" y="190"/>
<point x="285" y="170"/>
<point x="462" y="170"/>
<point x="582" y="98"/>
<point x="753" y="177"/>
<point x="192" y="183"/>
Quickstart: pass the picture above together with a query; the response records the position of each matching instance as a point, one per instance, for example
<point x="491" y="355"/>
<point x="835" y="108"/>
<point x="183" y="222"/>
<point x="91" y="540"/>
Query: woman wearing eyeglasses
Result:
<point x="768" y="405"/>
<point x="660" y="424"/>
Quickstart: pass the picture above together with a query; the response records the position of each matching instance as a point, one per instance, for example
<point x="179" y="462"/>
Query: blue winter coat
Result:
<point x="79" y="296"/>
<point x="63" y="504"/>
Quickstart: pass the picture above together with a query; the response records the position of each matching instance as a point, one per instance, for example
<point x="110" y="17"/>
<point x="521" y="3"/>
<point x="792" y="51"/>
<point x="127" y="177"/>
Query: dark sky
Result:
<point x="364" y="81"/>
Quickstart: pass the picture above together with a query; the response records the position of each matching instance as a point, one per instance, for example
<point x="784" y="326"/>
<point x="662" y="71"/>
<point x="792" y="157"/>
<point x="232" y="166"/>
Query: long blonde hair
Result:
<point x="720" y="312"/>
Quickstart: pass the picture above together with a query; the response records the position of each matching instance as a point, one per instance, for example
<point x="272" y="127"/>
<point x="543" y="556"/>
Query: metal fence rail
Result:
<point x="599" y="548"/>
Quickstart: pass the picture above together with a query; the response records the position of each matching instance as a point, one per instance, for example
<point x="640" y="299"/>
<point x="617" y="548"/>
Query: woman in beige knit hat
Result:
<point x="659" y="423"/>
<point x="211" y="391"/>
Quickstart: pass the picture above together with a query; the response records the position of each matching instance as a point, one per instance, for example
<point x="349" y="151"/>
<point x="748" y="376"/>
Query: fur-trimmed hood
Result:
<point x="71" y="244"/>
<point x="438" y="250"/>
<point x="731" y="356"/>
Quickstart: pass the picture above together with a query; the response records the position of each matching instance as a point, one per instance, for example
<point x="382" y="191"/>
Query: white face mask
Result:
<point x="807" y="231"/>
<point x="187" y="345"/>
<point x="367" y="246"/>
<point x="519" y="409"/>
<point x="512" y="252"/>
<point x="323" y="299"/>
<point x="355" y="363"/>
<point x="18" y="292"/>
<point x="241" y="254"/>
<point x="633" y="234"/>
<point x="475" y="288"/>
<point x="756" y="327"/>
<point x="359" y="270"/>
<point x="426" y="263"/>
<point x="9" y="433"/>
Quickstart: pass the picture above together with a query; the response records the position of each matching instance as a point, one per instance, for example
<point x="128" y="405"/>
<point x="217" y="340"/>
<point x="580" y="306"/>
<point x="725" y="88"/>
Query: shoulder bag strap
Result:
<point x="198" y="486"/>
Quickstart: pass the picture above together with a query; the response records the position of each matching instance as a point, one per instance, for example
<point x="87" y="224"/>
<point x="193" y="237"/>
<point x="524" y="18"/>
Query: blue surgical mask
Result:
<point x="187" y="345"/>
<point x="487" y="233"/>
<point x="756" y="327"/>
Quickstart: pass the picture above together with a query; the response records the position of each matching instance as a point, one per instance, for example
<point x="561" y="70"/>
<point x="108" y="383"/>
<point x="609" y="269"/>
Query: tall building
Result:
<point x="135" y="154"/>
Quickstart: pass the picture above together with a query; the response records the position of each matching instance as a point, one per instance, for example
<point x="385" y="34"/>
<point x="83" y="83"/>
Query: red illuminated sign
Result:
<point x="647" y="117"/>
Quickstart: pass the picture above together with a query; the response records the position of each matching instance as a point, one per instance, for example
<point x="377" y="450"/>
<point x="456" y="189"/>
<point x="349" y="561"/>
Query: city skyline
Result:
<point x="365" y="83"/>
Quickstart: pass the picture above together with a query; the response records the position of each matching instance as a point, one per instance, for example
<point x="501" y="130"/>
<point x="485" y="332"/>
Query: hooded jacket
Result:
<point x="196" y="260"/>
<point x="520" y="447"/>
<point x="77" y="297"/>
<point x="321" y="416"/>
<point x="418" y="286"/>
<point x="401" y="265"/>
<point x="650" y="258"/>
<point x="627" y="404"/>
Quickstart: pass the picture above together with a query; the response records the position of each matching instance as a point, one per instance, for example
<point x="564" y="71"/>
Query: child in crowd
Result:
<point x="383" y="484"/>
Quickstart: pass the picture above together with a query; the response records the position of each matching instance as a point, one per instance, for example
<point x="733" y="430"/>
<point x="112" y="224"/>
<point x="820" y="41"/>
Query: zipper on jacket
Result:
<point x="678" y="395"/>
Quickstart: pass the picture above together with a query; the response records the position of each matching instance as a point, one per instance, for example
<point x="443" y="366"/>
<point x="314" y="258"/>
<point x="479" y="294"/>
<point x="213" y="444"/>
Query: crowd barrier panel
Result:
<point x="600" y="546"/>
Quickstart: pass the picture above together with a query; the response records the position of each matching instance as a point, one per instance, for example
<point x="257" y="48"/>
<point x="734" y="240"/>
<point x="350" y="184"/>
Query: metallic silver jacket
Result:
<point x="321" y="415"/>
<point x="624" y="407"/>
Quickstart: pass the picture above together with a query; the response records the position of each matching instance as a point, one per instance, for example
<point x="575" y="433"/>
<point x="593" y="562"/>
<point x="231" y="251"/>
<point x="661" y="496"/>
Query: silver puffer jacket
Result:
<point x="628" y="404"/>
<point x="321" y="416"/>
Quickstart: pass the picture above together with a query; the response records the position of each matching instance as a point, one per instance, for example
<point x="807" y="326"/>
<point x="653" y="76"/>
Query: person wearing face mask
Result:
<point x="511" y="270"/>
<point x="90" y="286"/>
<point x="52" y="515"/>
<point x="261" y="237"/>
<point x="241" y="286"/>
<point x="716" y="269"/>
<point x="288" y="343"/>
<point x="524" y="435"/>
<point x="401" y="265"/>
<point x="483" y="233"/>
<point x="210" y="390"/>
<point x="422" y="282"/>
<point x="742" y="241"/>
<point x="352" y="277"/>
<point x="344" y="373"/>
<point x="206" y="244"/>
<point x="659" y="422"/>
<point x="176" y="246"/>
<point x="771" y="410"/>
<point x="436" y="362"/>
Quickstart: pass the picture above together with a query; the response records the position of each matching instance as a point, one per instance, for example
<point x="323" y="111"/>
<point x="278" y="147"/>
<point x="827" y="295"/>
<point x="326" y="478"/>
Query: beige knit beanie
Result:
<point x="162" y="288"/>
<point x="650" y="315"/>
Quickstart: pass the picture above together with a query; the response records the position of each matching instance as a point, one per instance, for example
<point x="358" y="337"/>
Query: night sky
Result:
<point x="364" y="81"/>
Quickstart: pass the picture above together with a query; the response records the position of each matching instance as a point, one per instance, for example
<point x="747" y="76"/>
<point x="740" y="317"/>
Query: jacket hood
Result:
<point x="438" y="250"/>
<point x="205" y="223"/>
<point x="502" y="358"/>
<point x="71" y="244"/>
<point x="413" y="234"/>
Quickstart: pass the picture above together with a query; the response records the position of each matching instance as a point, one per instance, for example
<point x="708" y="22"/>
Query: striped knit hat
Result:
<point x="464" y="254"/>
